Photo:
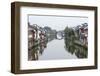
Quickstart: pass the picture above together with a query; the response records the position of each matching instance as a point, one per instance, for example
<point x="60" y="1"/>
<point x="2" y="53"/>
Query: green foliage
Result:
<point x="70" y="45"/>
<point x="69" y="34"/>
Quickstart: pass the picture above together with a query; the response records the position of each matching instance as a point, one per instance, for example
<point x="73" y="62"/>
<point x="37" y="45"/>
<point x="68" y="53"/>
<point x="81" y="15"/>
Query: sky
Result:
<point x="56" y="22"/>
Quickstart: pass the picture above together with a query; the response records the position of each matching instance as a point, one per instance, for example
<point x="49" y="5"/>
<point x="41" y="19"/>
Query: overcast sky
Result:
<point x="56" y="22"/>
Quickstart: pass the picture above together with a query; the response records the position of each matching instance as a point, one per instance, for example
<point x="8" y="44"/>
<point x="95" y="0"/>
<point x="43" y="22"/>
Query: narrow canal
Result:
<point x="56" y="50"/>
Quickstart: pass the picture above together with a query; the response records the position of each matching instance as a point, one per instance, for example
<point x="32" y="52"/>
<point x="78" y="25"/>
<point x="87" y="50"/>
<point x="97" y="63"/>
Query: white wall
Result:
<point x="5" y="42"/>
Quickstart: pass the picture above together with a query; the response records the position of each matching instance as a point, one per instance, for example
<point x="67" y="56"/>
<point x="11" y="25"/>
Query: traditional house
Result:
<point x="83" y="33"/>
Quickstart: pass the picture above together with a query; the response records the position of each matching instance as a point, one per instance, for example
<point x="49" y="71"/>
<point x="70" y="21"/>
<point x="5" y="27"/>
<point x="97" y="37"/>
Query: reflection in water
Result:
<point x="79" y="51"/>
<point x="36" y="51"/>
<point x="73" y="49"/>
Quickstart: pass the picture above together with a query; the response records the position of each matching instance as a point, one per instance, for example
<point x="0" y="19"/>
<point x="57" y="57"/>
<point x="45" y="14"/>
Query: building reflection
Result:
<point x="35" y="52"/>
<point x="79" y="51"/>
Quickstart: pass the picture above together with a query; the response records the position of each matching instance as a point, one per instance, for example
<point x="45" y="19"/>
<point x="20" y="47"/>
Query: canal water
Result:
<point x="56" y="50"/>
